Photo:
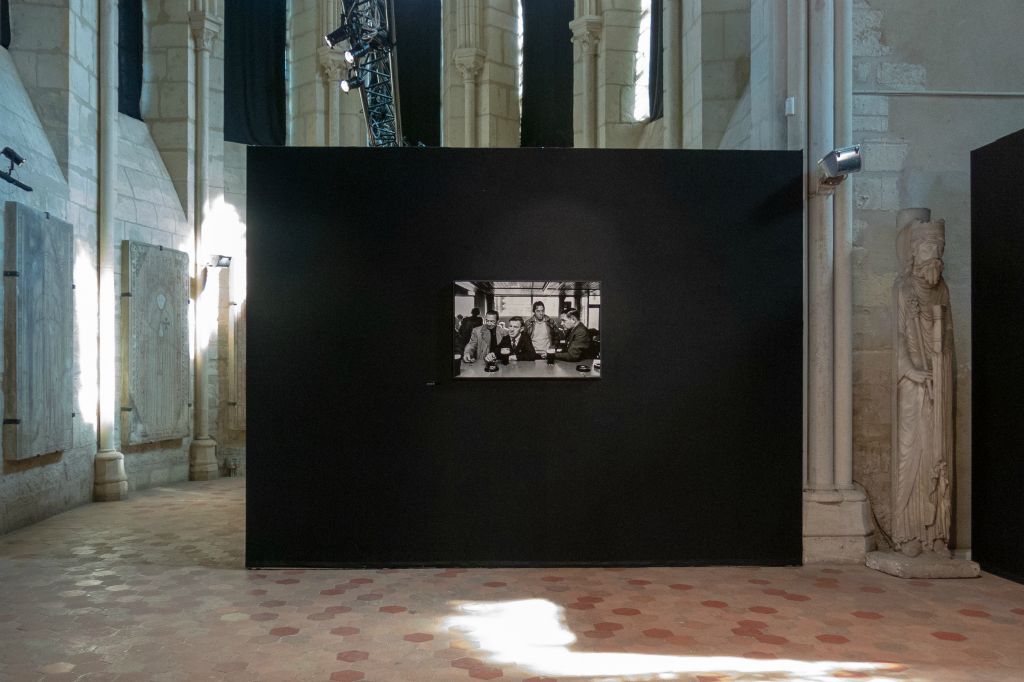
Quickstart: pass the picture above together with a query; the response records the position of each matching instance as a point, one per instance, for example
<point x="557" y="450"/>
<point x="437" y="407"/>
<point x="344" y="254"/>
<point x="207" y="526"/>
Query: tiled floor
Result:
<point x="154" y="589"/>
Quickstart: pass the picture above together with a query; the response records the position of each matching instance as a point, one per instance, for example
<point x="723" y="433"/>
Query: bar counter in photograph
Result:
<point x="528" y="369"/>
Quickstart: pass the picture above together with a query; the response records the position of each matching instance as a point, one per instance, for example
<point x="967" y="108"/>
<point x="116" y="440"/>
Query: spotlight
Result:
<point x="836" y="165"/>
<point x="356" y="52"/>
<point x="351" y="83"/>
<point x="336" y="36"/>
<point x="14" y="157"/>
<point x="217" y="261"/>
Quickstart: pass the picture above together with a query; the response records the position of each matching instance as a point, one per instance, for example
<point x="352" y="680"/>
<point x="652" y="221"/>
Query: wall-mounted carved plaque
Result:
<point x="236" y="355"/>
<point x="38" y="329"/>
<point x="154" y="343"/>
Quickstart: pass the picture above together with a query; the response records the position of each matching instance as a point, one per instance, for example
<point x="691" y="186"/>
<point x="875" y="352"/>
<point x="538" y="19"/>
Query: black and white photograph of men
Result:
<point x="527" y="330"/>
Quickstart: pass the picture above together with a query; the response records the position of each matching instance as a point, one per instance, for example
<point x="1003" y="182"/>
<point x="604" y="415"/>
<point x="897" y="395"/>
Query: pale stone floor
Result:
<point x="154" y="589"/>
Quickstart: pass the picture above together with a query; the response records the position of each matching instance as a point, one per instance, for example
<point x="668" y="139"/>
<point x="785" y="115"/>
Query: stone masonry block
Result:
<point x="871" y="105"/>
<point x="867" y="193"/>
<point x="871" y="124"/>
<point x="890" y="194"/>
<point x="883" y="155"/>
<point x="903" y="76"/>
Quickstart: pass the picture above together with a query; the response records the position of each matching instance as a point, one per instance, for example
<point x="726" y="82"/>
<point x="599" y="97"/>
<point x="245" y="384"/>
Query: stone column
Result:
<point x="470" y="62"/>
<point x="837" y="526"/>
<point x="332" y="70"/>
<point x="586" y="32"/>
<point x="672" y="34"/>
<point x="111" y="482"/>
<point x="203" y="451"/>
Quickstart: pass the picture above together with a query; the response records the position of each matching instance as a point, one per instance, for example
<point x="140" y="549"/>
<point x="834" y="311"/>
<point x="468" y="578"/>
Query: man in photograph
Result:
<point x="519" y="344"/>
<point x="577" y="338"/>
<point x="542" y="330"/>
<point x="468" y="324"/>
<point x="483" y="342"/>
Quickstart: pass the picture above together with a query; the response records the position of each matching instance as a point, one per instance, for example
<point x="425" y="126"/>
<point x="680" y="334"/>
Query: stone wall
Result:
<point x="49" y="113"/>
<point x="922" y="70"/>
<point x="725" y="74"/>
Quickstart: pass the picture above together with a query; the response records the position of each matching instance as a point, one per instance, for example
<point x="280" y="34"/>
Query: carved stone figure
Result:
<point x="923" y="436"/>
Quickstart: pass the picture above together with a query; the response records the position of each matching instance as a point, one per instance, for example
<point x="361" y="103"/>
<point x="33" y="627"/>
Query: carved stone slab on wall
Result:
<point x="236" y="392"/>
<point x="38" y="333"/>
<point x="154" y="343"/>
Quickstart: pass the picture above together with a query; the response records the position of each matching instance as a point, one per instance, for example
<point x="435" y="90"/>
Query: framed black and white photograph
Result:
<point x="526" y="330"/>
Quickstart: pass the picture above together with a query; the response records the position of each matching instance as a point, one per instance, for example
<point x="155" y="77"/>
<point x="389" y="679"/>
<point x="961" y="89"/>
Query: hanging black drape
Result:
<point x="547" y="74"/>
<point x="254" y="82"/>
<point x="656" y="68"/>
<point x="418" y="44"/>
<point x="129" y="57"/>
<point x="5" y="24"/>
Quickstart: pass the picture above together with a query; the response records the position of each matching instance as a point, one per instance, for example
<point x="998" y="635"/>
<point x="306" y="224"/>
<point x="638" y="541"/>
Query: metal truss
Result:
<point x="369" y="28"/>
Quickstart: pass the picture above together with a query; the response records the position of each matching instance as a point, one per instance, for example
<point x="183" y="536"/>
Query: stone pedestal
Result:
<point x="925" y="565"/>
<point x="837" y="527"/>
<point x="202" y="460"/>
<point x="111" y="482"/>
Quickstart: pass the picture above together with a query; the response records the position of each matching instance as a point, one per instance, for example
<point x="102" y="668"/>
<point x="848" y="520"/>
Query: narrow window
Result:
<point x="655" y="81"/>
<point x="5" y="24"/>
<point x="418" y="43"/>
<point x="254" y="71"/>
<point x="129" y="57"/>
<point x="547" y="74"/>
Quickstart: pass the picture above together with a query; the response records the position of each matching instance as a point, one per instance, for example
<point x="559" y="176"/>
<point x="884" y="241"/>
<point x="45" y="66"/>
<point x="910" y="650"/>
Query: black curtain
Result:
<point x="254" y="82"/>
<point x="656" y="69"/>
<point x="547" y="74"/>
<point x="129" y="57"/>
<point x="5" y="24"/>
<point x="418" y="44"/>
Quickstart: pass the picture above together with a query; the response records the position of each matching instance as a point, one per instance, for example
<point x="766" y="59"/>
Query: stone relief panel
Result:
<point x="236" y="392"/>
<point x="38" y="333"/>
<point x="154" y="343"/>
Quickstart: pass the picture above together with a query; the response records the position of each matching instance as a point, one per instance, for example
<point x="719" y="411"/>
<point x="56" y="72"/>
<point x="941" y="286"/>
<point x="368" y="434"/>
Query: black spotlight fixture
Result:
<point x="356" y="52"/>
<point x="336" y="36"/>
<point x="351" y="83"/>
<point x="16" y="159"/>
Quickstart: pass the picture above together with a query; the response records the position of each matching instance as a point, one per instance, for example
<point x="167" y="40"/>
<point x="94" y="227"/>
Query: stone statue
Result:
<point x="923" y="437"/>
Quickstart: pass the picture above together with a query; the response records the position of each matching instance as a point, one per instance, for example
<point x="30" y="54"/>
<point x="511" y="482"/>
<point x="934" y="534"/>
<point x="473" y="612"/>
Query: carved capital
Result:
<point x="470" y="62"/>
<point x="586" y="32"/>
<point x="204" y="26"/>
<point x="331" y="63"/>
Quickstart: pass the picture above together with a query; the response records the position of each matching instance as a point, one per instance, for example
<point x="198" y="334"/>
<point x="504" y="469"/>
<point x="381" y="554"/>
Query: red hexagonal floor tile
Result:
<point x="680" y="586"/>
<point x="495" y="583"/>
<point x="394" y="608"/>
<point x="772" y="639"/>
<point x="626" y="612"/>
<point x="590" y="600"/>
<point x="974" y="613"/>
<point x="418" y="637"/>
<point x="762" y="609"/>
<point x="639" y="582"/>
<point x="347" y="676"/>
<point x="607" y="627"/>
<point x="832" y="639"/>
<point x="714" y="604"/>
<point x="949" y="636"/>
<point x="658" y="633"/>
<point x="353" y="656"/>
<point x="467" y="663"/>
<point x="284" y="632"/>
<point x="797" y="597"/>
<point x="484" y="673"/>
<point x="579" y="606"/>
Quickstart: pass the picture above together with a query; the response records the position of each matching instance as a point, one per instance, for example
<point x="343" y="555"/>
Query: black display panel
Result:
<point x="997" y="362"/>
<point x="364" y="450"/>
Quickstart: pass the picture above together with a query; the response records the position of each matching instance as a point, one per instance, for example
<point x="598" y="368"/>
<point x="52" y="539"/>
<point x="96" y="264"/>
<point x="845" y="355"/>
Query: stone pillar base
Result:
<point x="111" y="482"/>
<point x="202" y="460"/>
<point x="926" y="565"/>
<point x="837" y="527"/>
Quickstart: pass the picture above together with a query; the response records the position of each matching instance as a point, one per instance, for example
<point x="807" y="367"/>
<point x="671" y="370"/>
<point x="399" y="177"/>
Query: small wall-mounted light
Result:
<point x="217" y="261"/>
<point x="836" y="165"/>
<point x="16" y="159"/>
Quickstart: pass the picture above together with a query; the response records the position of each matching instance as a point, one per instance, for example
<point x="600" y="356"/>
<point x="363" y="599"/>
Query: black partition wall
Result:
<point x="363" y="451"/>
<point x="997" y="358"/>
